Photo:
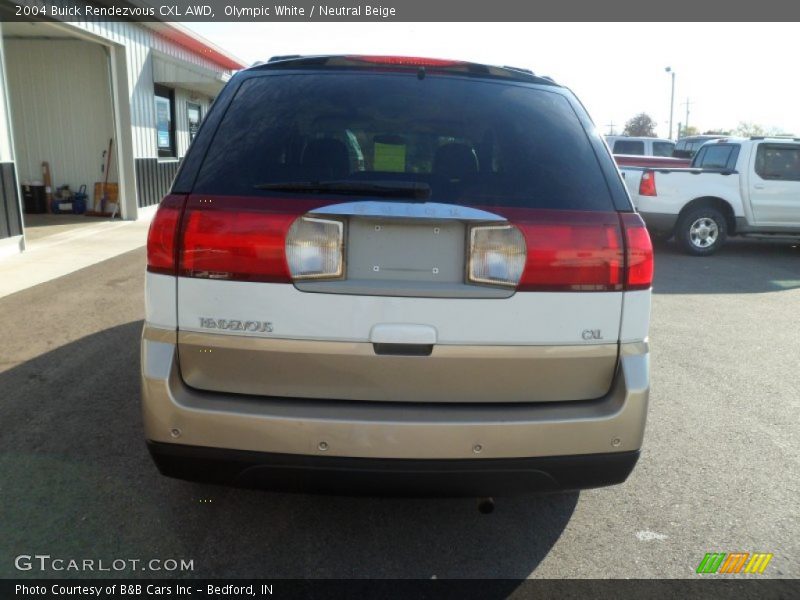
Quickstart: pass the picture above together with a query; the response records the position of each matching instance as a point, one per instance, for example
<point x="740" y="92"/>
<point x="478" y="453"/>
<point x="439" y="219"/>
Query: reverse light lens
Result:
<point x="496" y="255"/>
<point x="314" y="248"/>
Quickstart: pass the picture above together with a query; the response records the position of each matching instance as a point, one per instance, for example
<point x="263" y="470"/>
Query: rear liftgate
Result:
<point x="401" y="301"/>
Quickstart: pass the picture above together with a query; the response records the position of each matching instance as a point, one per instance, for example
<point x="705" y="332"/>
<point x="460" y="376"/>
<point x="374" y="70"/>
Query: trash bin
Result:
<point x="34" y="198"/>
<point x="80" y="200"/>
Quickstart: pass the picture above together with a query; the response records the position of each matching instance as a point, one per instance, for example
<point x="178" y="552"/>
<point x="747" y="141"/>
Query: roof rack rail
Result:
<point x="775" y="137"/>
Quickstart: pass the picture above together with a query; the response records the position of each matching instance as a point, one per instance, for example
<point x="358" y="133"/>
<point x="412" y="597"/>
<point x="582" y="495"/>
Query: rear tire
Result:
<point x="701" y="231"/>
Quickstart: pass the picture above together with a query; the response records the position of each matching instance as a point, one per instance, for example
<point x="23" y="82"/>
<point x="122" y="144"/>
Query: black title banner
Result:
<point x="252" y="11"/>
<point x="386" y="589"/>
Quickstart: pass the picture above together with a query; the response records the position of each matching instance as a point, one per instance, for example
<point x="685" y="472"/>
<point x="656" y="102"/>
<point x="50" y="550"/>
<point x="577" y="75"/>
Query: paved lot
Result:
<point x="720" y="469"/>
<point x="57" y="245"/>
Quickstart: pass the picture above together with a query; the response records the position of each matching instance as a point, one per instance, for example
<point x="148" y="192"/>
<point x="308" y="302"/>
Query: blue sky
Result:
<point x="731" y="72"/>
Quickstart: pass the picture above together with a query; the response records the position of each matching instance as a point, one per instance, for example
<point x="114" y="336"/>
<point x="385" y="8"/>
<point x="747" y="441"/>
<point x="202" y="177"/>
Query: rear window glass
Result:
<point x="714" y="156"/>
<point x="628" y="147"/>
<point x="692" y="145"/>
<point x="662" y="148"/>
<point x="474" y="142"/>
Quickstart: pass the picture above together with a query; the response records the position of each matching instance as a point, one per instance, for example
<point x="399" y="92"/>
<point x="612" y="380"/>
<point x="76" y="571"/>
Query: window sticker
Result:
<point x="389" y="157"/>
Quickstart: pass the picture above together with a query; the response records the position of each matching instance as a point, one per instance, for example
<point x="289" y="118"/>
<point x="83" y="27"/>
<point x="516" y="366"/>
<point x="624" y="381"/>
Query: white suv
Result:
<point x="399" y="275"/>
<point x="639" y="146"/>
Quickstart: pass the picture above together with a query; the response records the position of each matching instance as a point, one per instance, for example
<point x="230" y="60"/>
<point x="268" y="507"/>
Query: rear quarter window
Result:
<point x="663" y="148"/>
<point x="629" y="147"/>
<point x="716" y="156"/>
<point x="475" y="142"/>
<point x="778" y="161"/>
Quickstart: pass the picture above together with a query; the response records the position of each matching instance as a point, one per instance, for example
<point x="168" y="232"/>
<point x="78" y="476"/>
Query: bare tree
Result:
<point x="642" y="125"/>
<point x="749" y="129"/>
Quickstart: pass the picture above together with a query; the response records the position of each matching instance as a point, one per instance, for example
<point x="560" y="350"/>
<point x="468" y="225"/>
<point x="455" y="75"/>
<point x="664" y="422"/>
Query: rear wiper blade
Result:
<point x="384" y="189"/>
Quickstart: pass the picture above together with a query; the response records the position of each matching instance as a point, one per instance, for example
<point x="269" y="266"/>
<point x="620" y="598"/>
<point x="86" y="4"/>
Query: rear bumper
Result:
<point x="397" y="477"/>
<point x="464" y="437"/>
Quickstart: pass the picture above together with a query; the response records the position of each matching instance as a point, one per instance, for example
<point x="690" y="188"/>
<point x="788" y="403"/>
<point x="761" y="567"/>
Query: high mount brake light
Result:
<point x="407" y="61"/>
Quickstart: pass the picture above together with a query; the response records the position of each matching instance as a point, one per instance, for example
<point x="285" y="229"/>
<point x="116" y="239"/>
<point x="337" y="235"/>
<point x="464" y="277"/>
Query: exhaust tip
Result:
<point x="485" y="505"/>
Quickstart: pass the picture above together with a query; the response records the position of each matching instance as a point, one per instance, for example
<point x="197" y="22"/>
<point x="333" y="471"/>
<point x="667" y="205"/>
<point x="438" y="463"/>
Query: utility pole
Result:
<point x="671" y="100"/>
<point x="687" y="103"/>
<point x="610" y="127"/>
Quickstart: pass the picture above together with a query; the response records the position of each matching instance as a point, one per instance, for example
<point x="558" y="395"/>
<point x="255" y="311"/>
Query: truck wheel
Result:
<point x="701" y="231"/>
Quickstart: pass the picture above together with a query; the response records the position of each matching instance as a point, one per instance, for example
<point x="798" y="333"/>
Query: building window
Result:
<point x="194" y="116"/>
<point x="165" y="121"/>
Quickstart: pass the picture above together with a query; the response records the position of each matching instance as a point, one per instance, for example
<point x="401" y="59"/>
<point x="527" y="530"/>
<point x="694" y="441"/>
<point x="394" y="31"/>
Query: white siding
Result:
<point x="71" y="137"/>
<point x="6" y="147"/>
<point x="139" y="43"/>
<point x="61" y="108"/>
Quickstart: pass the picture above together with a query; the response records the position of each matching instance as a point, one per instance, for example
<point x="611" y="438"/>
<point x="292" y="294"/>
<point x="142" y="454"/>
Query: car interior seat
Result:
<point x="326" y="158"/>
<point x="455" y="162"/>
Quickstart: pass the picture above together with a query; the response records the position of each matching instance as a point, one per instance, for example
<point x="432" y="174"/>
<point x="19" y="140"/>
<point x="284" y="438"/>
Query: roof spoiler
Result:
<point x="354" y="61"/>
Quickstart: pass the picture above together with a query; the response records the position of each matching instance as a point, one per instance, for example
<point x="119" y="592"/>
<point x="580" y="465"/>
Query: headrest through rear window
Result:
<point x="326" y="158"/>
<point x="455" y="162"/>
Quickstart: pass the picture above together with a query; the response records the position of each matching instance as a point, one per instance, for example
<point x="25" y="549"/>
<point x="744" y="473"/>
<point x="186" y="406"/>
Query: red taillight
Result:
<point x="243" y="238"/>
<point x="408" y="61"/>
<point x="638" y="253"/>
<point x="570" y="251"/>
<point x="162" y="235"/>
<point x="647" y="185"/>
<point x="583" y="251"/>
<point x="239" y="239"/>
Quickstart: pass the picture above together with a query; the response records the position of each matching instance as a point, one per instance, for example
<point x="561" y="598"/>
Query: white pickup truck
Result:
<point x="734" y="186"/>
